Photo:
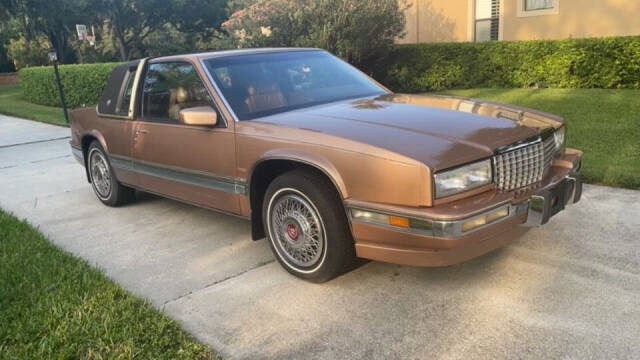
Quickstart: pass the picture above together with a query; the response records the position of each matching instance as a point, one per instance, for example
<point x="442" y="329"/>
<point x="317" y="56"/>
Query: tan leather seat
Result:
<point x="263" y="98"/>
<point x="177" y="97"/>
<point x="181" y="98"/>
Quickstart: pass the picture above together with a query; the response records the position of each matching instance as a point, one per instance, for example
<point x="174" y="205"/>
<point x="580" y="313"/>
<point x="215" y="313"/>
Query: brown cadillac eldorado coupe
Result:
<point x="326" y="163"/>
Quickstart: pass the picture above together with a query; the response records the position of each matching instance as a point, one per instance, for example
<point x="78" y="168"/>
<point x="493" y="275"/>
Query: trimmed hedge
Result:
<point x="82" y="84"/>
<point x="610" y="63"/>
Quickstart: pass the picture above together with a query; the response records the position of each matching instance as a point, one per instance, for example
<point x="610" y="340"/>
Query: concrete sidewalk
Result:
<point x="568" y="290"/>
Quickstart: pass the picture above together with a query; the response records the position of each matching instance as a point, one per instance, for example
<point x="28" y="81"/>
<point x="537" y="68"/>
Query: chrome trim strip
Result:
<point x="519" y="145"/>
<point x="401" y="214"/>
<point x="218" y="91"/>
<point x="572" y="193"/>
<point x="112" y="116"/>
<point x="385" y="226"/>
<point x="536" y="211"/>
<point x="183" y="177"/>
<point x="543" y="135"/>
<point x="179" y="175"/>
<point x="121" y="162"/>
<point x="136" y="86"/>
<point x="575" y="183"/>
<point x="453" y="229"/>
<point x="444" y="229"/>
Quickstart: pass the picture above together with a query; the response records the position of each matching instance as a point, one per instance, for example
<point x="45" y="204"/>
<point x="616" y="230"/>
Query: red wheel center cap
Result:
<point x="292" y="231"/>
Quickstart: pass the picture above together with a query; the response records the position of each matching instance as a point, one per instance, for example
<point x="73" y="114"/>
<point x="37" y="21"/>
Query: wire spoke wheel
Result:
<point x="306" y="226"/>
<point x="297" y="230"/>
<point x="100" y="175"/>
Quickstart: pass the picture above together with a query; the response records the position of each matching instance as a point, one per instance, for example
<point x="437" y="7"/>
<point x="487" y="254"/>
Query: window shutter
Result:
<point x="487" y="21"/>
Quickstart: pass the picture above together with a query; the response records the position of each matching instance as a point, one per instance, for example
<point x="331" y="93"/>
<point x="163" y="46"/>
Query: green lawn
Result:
<point x="55" y="306"/>
<point x="11" y="103"/>
<point x="605" y="124"/>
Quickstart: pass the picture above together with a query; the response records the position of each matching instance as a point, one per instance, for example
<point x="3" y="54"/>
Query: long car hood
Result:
<point x="440" y="132"/>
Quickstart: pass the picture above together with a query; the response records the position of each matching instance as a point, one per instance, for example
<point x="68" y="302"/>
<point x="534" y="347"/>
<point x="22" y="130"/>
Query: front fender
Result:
<point x="310" y="159"/>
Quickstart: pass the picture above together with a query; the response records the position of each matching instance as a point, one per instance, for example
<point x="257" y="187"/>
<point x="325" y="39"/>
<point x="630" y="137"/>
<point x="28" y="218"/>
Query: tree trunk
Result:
<point x="118" y="35"/>
<point x="26" y="30"/>
<point x="122" y="47"/>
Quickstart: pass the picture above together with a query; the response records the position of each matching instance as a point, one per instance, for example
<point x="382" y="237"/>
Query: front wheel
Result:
<point x="105" y="186"/>
<point x="306" y="225"/>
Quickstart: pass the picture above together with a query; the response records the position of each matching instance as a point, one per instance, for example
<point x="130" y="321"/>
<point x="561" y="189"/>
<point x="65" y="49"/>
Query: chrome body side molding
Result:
<point x="180" y="175"/>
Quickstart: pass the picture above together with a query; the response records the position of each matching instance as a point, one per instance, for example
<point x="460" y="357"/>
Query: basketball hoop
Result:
<point x="82" y="32"/>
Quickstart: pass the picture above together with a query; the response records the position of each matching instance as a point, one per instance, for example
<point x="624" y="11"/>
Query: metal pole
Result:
<point x="64" y="104"/>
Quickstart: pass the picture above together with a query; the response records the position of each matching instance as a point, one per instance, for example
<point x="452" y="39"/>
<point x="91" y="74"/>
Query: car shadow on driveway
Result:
<point x="143" y="197"/>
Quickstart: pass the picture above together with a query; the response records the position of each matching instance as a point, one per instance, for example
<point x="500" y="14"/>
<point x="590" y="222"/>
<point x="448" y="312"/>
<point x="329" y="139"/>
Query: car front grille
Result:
<point x="524" y="164"/>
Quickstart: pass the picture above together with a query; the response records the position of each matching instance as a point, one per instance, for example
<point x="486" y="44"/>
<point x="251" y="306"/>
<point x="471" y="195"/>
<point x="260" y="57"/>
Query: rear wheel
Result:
<point x="306" y="225"/>
<point x="105" y="186"/>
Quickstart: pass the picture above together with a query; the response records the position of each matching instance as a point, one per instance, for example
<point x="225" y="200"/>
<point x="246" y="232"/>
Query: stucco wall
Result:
<point x="436" y="21"/>
<point x="575" y="19"/>
<point x="450" y="20"/>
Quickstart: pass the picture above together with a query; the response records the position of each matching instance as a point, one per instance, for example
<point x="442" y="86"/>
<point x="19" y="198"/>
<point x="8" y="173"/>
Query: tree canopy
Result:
<point x="356" y="30"/>
<point x="126" y="29"/>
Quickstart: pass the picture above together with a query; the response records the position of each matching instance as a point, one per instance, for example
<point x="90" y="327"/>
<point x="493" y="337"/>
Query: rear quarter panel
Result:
<point x="114" y="135"/>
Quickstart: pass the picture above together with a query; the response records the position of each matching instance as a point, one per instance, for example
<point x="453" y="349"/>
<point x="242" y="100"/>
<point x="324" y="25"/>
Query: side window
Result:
<point x="170" y="87"/>
<point x="125" y="99"/>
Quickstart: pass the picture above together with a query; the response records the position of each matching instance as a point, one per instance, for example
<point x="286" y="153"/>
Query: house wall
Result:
<point x="574" y="19"/>
<point x="437" y="21"/>
<point x="451" y="20"/>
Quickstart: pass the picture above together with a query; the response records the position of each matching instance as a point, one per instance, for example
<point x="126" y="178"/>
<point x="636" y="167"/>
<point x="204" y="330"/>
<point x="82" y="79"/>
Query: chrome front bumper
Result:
<point x="539" y="209"/>
<point x="548" y="203"/>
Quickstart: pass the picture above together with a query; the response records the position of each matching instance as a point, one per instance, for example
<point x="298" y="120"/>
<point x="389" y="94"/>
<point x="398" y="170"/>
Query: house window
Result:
<point x="487" y="22"/>
<point x="528" y="8"/>
<point x="533" y="5"/>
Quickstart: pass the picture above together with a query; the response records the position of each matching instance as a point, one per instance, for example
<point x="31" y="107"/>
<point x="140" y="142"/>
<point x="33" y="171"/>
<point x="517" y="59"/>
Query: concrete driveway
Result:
<point x="568" y="290"/>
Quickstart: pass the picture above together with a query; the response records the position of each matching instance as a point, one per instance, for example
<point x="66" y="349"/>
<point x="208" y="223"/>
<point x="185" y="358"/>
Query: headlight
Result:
<point x="560" y="138"/>
<point x="463" y="179"/>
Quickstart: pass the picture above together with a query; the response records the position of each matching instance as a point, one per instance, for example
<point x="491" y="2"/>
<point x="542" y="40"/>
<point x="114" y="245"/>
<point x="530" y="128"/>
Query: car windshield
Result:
<point x="259" y="85"/>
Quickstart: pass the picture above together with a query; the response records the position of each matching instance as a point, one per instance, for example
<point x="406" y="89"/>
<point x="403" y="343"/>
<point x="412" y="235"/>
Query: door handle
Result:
<point x="138" y="132"/>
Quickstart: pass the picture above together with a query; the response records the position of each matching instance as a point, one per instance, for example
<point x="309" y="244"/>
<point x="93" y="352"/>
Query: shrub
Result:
<point x="585" y="63"/>
<point x="581" y="63"/>
<point x="25" y="54"/>
<point x="82" y="84"/>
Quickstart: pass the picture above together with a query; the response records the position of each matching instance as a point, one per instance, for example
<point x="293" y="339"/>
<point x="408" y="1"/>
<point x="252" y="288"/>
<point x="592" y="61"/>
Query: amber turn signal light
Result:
<point x="398" y="221"/>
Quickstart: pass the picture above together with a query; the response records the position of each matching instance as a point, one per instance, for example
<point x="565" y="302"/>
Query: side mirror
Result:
<point x="199" y="116"/>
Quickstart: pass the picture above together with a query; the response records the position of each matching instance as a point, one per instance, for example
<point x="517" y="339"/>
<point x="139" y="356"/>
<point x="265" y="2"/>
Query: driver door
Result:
<point x="191" y="163"/>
